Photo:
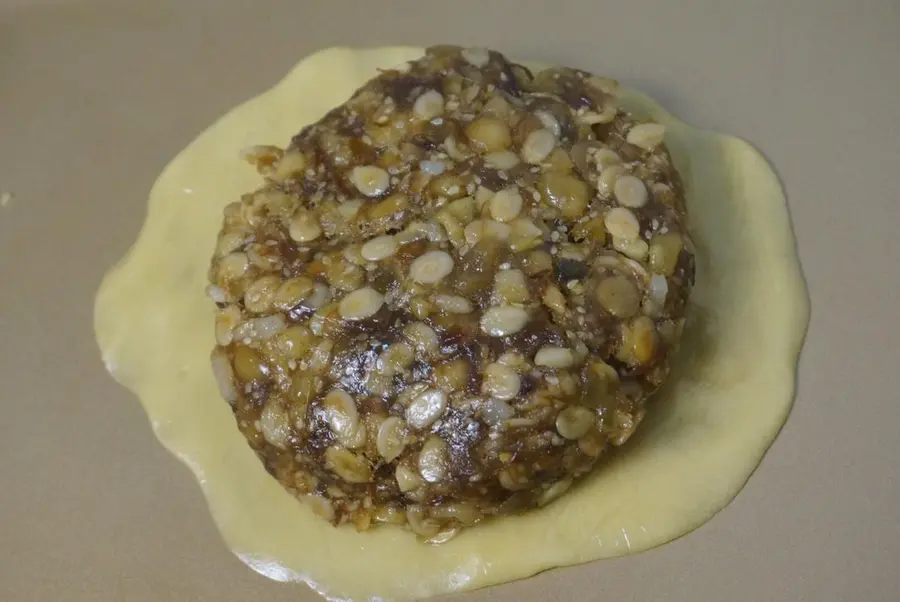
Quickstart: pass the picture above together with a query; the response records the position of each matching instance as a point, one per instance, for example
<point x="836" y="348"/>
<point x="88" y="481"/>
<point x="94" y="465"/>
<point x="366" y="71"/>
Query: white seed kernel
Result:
<point x="554" y="299"/>
<point x="630" y="191"/>
<point x="646" y="135"/>
<point x="432" y="168"/>
<point x="605" y="157"/>
<point x="486" y="228"/>
<point x="292" y="292"/>
<point x="233" y="266"/>
<point x="407" y="480"/>
<point x="554" y="492"/>
<point x="319" y="297"/>
<point x="593" y="118"/>
<point x="494" y="411"/>
<point x="390" y="441"/>
<point x="426" y="408"/>
<point x="506" y="205"/>
<point x="273" y="423"/>
<point x="304" y="227"/>
<point x="554" y="357"/>
<point x="525" y="228"/>
<point x="226" y="321"/>
<point x="380" y="247"/>
<point x="290" y="165"/>
<point x="483" y="195"/>
<point x="361" y="304"/>
<point x="349" y="209"/>
<point x="423" y="337"/>
<point x="453" y="304"/>
<point x="370" y="180"/>
<point x="511" y="286"/>
<point x="502" y="159"/>
<point x="263" y="329"/>
<point x="433" y="459"/>
<point x="634" y="248"/>
<point x="550" y="122"/>
<point x="428" y="105"/>
<point x="537" y="146"/>
<point x="340" y="414"/>
<point x="622" y="223"/>
<point x="259" y="296"/>
<point x="396" y="358"/>
<point x="574" y="422"/>
<point x="352" y="254"/>
<point x="501" y="382"/>
<point x="453" y="149"/>
<point x="431" y="267"/>
<point x="503" y="320"/>
<point x="659" y="289"/>
<point x="606" y="183"/>
<point x="347" y="465"/>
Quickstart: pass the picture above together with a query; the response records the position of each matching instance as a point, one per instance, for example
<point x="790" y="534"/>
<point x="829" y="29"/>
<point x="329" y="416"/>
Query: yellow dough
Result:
<point x="705" y="432"/>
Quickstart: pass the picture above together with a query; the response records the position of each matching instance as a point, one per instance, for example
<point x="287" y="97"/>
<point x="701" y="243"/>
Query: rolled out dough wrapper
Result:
<point x="705" y="432"/>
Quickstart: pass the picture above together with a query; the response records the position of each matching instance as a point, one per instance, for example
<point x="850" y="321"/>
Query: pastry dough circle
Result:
<point x="729" y="393"/>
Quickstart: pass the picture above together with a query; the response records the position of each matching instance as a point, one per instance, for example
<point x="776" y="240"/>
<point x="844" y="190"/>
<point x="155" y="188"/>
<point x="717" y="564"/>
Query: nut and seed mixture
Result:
<point x="452" y="294"/>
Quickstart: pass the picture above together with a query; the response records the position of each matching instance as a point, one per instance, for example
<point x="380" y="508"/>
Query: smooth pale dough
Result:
<point x="704" y="434"/>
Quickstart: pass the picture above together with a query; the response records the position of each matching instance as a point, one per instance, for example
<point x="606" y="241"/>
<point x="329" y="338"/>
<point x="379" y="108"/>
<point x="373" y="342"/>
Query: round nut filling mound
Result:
<point x="452" y="294"/>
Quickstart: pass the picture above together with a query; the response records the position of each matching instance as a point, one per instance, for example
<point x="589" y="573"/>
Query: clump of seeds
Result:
<point x="452" y="294"/>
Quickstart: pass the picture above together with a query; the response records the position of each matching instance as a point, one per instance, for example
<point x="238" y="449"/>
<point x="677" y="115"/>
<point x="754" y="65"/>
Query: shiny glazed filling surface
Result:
<point x="451" y="294"/>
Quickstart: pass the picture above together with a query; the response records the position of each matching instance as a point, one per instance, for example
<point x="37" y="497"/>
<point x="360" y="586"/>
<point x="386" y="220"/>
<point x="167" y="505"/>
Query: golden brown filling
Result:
<point x="452" y="293"/>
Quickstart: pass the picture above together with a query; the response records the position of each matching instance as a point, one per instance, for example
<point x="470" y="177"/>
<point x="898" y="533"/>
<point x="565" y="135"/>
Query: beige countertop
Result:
<point x="95" y="98"/>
